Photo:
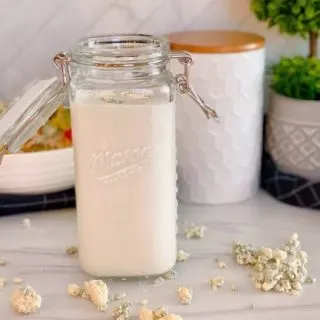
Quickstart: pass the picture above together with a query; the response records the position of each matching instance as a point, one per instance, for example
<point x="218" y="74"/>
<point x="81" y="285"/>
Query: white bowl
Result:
<point x="37" y="172"/>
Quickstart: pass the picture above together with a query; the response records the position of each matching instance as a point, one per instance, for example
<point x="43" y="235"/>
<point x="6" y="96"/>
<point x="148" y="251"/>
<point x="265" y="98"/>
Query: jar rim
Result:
<point x="121" y="50"/>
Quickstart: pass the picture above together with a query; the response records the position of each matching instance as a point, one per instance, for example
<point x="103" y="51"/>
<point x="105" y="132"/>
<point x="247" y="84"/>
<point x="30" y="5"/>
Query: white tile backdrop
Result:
<point x="31" y="31"/>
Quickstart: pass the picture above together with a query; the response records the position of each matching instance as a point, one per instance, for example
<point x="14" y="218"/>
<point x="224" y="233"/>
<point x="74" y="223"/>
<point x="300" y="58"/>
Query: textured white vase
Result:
<point x="293" y="136"/>
<point x="220" y="162"/>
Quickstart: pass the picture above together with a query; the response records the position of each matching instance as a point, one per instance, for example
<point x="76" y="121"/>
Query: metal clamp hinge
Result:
<point x="61" y="61"/>
<point x="184" y="86"/>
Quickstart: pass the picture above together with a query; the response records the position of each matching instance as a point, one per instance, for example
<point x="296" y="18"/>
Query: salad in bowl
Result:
<point x="55" y="134"/>
<point x="44" y="163"/>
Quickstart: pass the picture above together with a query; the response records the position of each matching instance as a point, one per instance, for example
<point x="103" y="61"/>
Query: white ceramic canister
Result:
<point x="221" y="163"/>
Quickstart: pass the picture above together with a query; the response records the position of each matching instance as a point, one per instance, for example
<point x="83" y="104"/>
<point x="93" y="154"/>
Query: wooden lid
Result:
<point x="215" y="41"/>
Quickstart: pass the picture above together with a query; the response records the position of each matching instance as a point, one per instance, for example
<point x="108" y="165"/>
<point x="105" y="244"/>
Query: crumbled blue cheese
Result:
<point x="310" y="280"/>
<point x="170" y="275"/>
<point x="234" y="288"/>
<point x="244" y="253"/>
<point x="158" y="314"/>
<point x="74" y="290"/>
<point x="221" y="264"/>
<point x="185" y="295"/>
<point x="84" y="294"/>
<point x="26" y="223"/>
<point x="144" y="302"/>
<point x="280" y="270"/>
<point x="17" y="280"/>
<point x="117" y="296"/>
<point x="145" y="314"/>
<point x="98" y="292"/>
<point x="216" y="283"/>
<point x="182" y="256"/>
<point x="279" y="254"/>
<point x="71" y="250"/>
<point x="173" y="316"/>
<point x="3" y="282"/>
<point x="195" y="231"/>
<point x="25" y="300"/>
<point x="121" y="311"/>
<point x="159" y="280"/>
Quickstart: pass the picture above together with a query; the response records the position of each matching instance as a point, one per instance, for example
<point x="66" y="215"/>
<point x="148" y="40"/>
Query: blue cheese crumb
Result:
<point x="221" y="264"/>
<point x="216" y="283"/>
<point x="170" y="275"/>
<point x="146" y="314"/>
<point x="98" y="293"/>
<point x="17" y="280"/>
<point x="26" y="223"/>
<point x="281" y="270"/>
<point x="158" y="281"/>
<point x="253" y="306"/>
<point x="234" y="288"/>
<point x="122" y="311"/>
<point x="185" y="295"/>
<point x="74" y="290"/>
<point x="25" y="300"/>
<point x="71" y="250"/>
<point x="182" y="256"/>
<point x="194" y="231"/>
<point x="310" y="280"/>
<point x="144" y="302"/>
<point x="117" y="296"/>
<point x="3" y="282"/>
<point x="158" y="314"/>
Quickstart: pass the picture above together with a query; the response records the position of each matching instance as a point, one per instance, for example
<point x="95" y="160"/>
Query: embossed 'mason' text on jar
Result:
<point x="108" y="166"/>
<point x="122" y="97"/>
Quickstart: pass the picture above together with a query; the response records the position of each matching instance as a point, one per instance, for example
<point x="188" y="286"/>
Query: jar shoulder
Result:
<point x="158" y="87"/>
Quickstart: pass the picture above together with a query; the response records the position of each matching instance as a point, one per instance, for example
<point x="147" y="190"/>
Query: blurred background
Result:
<point x="32" y="31"/>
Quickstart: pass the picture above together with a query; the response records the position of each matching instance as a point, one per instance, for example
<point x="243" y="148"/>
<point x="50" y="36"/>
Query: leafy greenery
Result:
<point x="297" y="78"/>
<point x="291" y="16"/>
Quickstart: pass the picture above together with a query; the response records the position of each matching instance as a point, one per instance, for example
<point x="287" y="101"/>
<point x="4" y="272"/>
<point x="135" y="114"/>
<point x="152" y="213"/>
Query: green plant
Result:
<point x="294" y="17"/>
<point x="297" y="78"/>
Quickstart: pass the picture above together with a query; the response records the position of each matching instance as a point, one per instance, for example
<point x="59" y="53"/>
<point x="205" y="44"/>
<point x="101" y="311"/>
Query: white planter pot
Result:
<point x="293" y="136"/>
<point x="220" y="163"/>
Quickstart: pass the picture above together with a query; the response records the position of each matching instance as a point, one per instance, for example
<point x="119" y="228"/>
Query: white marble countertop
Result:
<point x="37" y="255"/>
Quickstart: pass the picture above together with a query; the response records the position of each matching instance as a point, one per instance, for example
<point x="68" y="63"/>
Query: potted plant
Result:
<point x="293" y="124"/>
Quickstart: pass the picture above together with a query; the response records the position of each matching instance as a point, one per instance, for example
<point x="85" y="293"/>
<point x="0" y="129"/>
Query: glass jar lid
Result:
<point x="29" y="112"/>
<point x="120" y="50"/>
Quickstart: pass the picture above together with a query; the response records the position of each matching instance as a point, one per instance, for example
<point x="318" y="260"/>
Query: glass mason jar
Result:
<point x="122" y="111"/>
<point x="122" y="99"/>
